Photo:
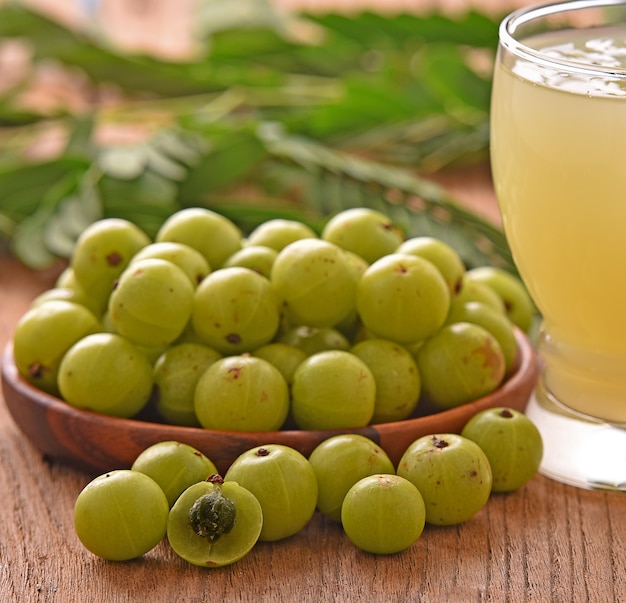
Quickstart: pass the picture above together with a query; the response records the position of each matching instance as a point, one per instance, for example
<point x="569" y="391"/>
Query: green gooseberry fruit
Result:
<point x="121" y="515"/>
<point x="403" y="298"/>
<point x="314" y="282"/>
<point x="312" y="340"/>
<point x="176" y="373"/>
<point x="213" y="235"/>
<point x="106" y="373"/>
<point x="339" y="462"/>
<point x="473" y="291"/>
<point x="286" y="358"/>
<point x="235" y="310"/>
<point x="442" y="255"/>
<point x="102" y="252"/>
<point x="241" y="393"/>
<point x="383" y="514"/>
<point x="188" y="259"/>
<point x="151" y="303"/>
<point x="363" y="231"/>
<point x="518" y="305"/>
<point x="333" y="390"/>
<point x="452" y="474"/>
<point x="511" y="442"/>
<point x="397" y="378"/>
<point x="284" y="483"/>
<point x="493" y="321"/>
<point x="460" y="364"/>
<point x="174" y="466"/>
<point x="254" y="257"/>
<point x="214" y="523"/>
<point x="44" y="334"/>
<point x="70" y="294"/>
<point x="278" y="233"/>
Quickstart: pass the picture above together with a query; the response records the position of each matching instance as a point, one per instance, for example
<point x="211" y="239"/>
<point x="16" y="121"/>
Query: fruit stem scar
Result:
<point x="35" y="370"/>
<point x="439" y="443"/>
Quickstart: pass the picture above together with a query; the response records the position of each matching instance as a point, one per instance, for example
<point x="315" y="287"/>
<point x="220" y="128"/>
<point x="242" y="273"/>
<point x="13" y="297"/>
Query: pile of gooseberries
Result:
<point x="281" y="328"/>
<point x="205" y="327"/>
<point x="271" y="492"/>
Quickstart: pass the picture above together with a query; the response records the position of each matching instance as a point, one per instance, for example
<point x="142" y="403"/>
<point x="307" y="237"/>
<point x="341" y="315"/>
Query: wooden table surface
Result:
<point x="545" y="543"/>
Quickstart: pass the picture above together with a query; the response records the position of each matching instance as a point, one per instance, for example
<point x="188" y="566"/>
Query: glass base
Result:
<point x="578" y="450"/>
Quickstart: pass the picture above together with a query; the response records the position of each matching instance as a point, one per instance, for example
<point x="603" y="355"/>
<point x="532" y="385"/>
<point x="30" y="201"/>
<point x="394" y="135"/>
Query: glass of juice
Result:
<point x="558" y="155"/>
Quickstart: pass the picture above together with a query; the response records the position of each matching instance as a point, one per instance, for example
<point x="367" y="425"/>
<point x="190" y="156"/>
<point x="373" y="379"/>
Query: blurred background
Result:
<point x="255" y="108"/>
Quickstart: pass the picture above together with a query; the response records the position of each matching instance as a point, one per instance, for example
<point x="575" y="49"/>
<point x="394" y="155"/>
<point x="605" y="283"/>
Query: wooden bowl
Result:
<point x="98" y="443"/>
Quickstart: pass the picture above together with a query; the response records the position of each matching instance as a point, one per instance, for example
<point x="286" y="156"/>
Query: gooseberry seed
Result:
<point x="212" y="515"/>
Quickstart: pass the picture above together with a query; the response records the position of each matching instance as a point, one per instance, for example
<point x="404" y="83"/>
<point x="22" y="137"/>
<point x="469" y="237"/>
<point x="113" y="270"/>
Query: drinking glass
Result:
<point x="558" y="154"/>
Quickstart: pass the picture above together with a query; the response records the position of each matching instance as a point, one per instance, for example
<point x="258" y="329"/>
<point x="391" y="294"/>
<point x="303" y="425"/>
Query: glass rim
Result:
<point x="523" y="16"/>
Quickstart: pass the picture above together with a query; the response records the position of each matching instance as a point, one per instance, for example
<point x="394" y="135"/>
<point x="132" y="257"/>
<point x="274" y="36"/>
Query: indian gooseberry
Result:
<point x="339" y="462"/>
<point x="212" y="234"/>
<point x="403" y="298"/>
<point x="214" y="523"/>
<point x="241" y="393"/>
<point x="517" y="302"/>
<point x="188" y="259"/>
<point x="312" y="340"/>
<point x="255" y="257"/>
<point x="176" y="373"/>
<point x="284" y="483"/>
<point x="174" y="466"/>
<point x="151" y="303"/>
<point x="452" y="474"/>
<point x="383" y="514"/>
<point x="332" y="390"/>
<point x="284" y="357"/>
<point x="511" y="442"/>
<point x="363" y="231"/>
<point x="235" y="310"/>
<point x="121" y="515"/>
<point x="102" y="252"/>
<point x="44" y="334"/>
<point x="278" y="233"/>
<point x="474" y="291"/>
<point x="459" y="364"/>
<point x="106" y="373"/>
<point x="397" y="378"/>
<point x="314" y="283"/>
<point x="493" y="321"/>
<point x="71" y="294"/>
<point x="443" y="256"/>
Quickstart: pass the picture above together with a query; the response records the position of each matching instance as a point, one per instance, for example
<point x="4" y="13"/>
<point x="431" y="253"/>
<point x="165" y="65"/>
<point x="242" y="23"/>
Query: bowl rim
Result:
<point x="18" y="393"/>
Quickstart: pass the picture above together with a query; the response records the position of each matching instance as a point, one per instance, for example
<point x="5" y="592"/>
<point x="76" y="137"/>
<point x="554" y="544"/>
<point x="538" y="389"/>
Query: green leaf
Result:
<point x="230" y="159"/>
<point x="449" y="78"/>
<point x="335" y="181"/>
<point x="23" y="187"/>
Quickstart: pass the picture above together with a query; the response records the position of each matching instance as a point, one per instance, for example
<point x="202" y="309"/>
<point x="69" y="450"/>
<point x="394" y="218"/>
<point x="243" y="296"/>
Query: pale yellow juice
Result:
<point x="559" y="167"/>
